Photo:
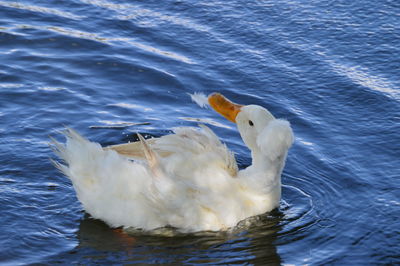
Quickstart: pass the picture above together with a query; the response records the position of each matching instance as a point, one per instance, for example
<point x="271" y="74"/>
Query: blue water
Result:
<point x="110" y="68"/>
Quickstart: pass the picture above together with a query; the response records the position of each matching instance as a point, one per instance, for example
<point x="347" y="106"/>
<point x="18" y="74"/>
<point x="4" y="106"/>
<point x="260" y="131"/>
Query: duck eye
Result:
<point x="251" y="123"/>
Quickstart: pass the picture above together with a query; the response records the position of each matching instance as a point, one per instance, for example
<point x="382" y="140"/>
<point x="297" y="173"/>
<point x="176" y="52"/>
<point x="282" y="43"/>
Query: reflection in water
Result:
<point x="254" y="244"/>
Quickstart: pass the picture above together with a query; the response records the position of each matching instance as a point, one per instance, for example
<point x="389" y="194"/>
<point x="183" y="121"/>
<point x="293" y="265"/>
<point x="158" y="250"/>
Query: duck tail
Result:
<point x="68" y="152"/>
<point x="59" y="149"/>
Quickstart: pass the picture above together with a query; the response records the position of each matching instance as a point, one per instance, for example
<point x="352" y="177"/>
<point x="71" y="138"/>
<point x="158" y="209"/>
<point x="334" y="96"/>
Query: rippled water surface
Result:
<point x="110" y="68"/>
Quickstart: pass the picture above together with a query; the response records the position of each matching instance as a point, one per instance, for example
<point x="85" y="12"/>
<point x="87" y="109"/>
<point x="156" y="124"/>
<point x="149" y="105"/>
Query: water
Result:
<point x="110" y="68"/>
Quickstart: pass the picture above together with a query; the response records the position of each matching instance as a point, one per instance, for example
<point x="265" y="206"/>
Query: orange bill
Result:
<point x="223" y="106"/>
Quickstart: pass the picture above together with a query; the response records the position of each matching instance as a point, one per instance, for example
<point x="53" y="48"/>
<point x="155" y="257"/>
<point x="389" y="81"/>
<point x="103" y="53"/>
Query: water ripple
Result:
<point x="146" y="17"/>
<point x="361" y="76"/>
<point x="41" y="9"/>
<point x="120" y="41"/>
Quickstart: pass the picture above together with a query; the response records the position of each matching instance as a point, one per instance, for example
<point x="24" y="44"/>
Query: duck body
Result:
<point x="188" y="180"/>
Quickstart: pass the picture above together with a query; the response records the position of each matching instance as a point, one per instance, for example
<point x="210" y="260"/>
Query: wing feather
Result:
<point x="185" y="143"/>
<point x="134" y="150"/>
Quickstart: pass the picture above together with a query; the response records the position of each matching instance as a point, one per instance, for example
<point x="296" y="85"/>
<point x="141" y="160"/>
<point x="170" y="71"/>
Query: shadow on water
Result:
<point x="245" y="244"/>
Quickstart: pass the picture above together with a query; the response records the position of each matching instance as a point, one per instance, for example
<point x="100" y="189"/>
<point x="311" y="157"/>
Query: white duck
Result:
<point x="188" y="180"/>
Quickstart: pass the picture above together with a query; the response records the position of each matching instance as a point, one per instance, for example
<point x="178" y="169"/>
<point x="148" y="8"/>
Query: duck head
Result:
<point x="267" y="137"/>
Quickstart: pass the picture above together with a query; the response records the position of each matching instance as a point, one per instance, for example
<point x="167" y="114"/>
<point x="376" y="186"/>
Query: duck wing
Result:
<point x="134" y="150"/>
<point x="185" y="150"/>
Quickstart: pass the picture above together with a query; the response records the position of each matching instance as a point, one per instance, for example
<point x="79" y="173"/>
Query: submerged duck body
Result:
<point x="188" y="180"/>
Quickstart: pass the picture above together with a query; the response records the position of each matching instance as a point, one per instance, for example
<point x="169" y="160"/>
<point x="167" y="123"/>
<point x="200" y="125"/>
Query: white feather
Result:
<point x="200" y="99"/>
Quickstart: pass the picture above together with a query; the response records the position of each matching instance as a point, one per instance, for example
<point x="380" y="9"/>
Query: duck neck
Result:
<point x="266" y="169"/>
<point x="259" y="161"/>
